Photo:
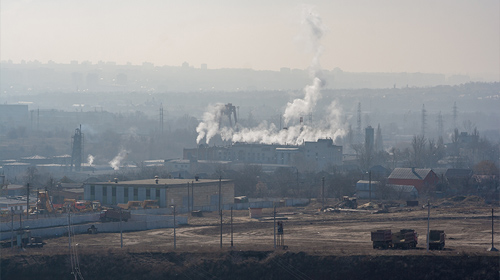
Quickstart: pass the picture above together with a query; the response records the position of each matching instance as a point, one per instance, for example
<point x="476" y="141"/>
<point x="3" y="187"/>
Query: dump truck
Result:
<point x="436" y="239"/>
<point x="150" y="204"/>
<point x="382" y="239"/>
<point x="405" y="239"/>
<point x="131" y="205"/>
<point x="112" y="215"/>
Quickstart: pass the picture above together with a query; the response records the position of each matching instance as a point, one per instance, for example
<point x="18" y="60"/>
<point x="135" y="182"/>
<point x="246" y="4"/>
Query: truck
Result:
<point x="382" y="239"/>
<point x="405" y="239"/>
<point x="436" y="239"/>
<point x="112" y="215"/>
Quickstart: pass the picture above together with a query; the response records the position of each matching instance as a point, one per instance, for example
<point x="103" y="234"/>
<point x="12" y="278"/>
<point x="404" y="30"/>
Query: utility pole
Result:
<point x="220" y="208"/>
<point x="121" y="231"/>
<point x="231" y="227"/>
<point x="428" y="222"/>
<point x="220" y="195"/>
<point x="28" y="201"/>
<point x="370" y="183"/>
<point x="492" y="249"/>
<point x="175" y="239"/>
<point x="298" y="187"/>
<point x="189" y="204"/>
<point x="12" y="228"/>
<point x="323" y="191"/>
<point x="274" y="223"/>
<point x="69" y="238"/>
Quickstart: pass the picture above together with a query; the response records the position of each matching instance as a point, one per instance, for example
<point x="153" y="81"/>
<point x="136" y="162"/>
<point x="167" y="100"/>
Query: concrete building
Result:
<point x="168" y="192"/>
<point x="321" y="153"/>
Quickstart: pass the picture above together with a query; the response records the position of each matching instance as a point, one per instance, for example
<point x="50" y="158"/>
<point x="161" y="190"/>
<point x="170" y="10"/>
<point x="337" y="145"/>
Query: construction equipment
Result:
<point x="96" y="205"/>
<point x="92" y="230"/>
<point x="405" y="239"/>
<point x="382" y="239"/>
<point x="44" y="204"/>
<point x="25" y="240"/>
<point x="150" y="204"/>
<point x="112" y="215"/>
<point x="436" y="239"/>
<point x="77" y="206"/>
<point x="348" y="202"/>
<point x="131" y="205"/>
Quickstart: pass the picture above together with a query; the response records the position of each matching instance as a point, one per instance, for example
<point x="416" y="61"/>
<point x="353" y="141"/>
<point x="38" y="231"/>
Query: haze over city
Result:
<point x="338" y="124"/>
<point x="448" y="37"/>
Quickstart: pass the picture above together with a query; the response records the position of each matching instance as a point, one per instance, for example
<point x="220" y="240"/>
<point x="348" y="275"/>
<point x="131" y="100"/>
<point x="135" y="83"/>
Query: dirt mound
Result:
<point x="462" y="201"/>
<point x="250" y="265"/>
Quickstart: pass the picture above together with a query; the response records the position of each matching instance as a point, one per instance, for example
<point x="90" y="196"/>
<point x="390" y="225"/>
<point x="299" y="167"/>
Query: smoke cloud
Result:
<point x="90" y="159"/>
<point x="115" y="163"/>
<point x="294" y="133"/>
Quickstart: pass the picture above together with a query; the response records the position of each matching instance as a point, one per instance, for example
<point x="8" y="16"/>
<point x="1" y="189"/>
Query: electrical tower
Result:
<point x="455" y="115"/>
<point x="424" y="119"/>
<point x="77" y="150"/>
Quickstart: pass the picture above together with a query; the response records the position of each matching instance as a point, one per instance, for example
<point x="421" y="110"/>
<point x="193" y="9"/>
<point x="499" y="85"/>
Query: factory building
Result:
<point x="321" y="153"/>
<point x="168" y="192"/>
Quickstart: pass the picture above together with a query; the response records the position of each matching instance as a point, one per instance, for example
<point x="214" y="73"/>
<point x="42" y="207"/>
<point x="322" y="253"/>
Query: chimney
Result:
<point x="196" y="178"/>
<point x="116" y="180"/>
<point x="156" y="179"/>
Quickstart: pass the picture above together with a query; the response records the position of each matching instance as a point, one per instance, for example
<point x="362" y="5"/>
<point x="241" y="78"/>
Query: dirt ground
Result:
<point x="466" y="222"/>
<point x="321" y="245"/>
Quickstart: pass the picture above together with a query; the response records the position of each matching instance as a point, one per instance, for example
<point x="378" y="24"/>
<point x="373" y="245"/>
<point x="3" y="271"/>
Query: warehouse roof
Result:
<point x="163" y="182"/>
<point x="410" y="173"/>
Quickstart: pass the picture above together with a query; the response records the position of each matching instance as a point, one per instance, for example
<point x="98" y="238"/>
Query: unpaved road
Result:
<point x="307" y="229"/>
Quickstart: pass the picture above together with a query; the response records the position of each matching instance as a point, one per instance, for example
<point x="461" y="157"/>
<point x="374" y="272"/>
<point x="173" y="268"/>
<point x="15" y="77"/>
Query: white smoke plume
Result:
<point x="90" y="159"/>
<point x="209" y="126"/>
<point x="117" y="160"/>
<point x="295" y="133"/>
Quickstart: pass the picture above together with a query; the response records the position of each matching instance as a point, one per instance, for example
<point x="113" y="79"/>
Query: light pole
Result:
<point x="323" y="191"/>
<point x="121" y="231"/>
<point x="492" y="249"/>
<point x="220" y="208"/>
<point x="231" y="227"/>
<point x="370" y="184"/>
<point x="274" y="222"/>
<point x="175" y="241"/>
<point x="428" y="222"/>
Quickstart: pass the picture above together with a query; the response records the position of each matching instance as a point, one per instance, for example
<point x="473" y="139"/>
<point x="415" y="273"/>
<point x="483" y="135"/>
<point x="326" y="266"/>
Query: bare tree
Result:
<point x="418" y="151"/>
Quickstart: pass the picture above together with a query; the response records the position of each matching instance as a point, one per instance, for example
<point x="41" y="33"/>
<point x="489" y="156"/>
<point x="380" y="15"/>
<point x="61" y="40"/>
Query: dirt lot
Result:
<point x="309" y="233"/>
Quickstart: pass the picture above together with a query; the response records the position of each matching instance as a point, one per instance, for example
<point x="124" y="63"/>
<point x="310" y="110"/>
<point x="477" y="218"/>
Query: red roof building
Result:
<point x="424" y="179"/>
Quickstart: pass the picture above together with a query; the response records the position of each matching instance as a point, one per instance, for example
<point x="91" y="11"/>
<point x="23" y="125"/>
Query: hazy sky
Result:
<point x="443" y="36"/>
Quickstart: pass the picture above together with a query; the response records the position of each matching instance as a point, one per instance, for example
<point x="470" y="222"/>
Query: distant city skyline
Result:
<point x="449" y="37"/>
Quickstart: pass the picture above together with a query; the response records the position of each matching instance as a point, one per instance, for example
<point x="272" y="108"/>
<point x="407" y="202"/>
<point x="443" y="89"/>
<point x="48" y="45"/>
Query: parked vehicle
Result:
<point x="112" y="215"/>
<point x="403" y="239"/>
<point x="92" y="230"/>
<point x="436" y="239"/>
<point x="382" y="239"/>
